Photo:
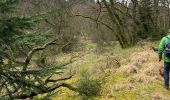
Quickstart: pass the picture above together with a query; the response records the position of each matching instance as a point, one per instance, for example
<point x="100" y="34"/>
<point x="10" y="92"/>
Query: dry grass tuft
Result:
<point x="141" y="78"/>
<point x="159" y="96"/>
<point x="129" y="69"/>
<point x="135" y="63"/>
<point x="122" y="87"/>
<point x="140" y="57"/>
<point x="152" y="69"/>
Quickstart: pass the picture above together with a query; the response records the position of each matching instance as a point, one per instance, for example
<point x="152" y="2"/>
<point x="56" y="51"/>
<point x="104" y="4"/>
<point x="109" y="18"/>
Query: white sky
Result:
<point x="119" y="0"/>
<point x="108" y="0"/>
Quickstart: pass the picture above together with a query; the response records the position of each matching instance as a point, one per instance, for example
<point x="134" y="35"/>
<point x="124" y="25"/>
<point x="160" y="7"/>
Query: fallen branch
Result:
<point x="60" y="79"/>
<point x="52" y="88"/>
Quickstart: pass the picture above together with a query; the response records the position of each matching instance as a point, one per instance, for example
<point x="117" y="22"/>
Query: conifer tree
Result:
<point x="21" y="79"/>
<point x="147" y="24"/>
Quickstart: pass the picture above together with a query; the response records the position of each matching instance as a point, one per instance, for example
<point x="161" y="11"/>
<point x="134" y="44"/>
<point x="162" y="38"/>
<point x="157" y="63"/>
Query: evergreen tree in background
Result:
<point x="21" y="79"/>
<point x="147" y="24"/>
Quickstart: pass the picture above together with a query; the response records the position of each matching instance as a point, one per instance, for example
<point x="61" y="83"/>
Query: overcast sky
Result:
<point x="118" y="0"/>
<point x="108" y="0"/>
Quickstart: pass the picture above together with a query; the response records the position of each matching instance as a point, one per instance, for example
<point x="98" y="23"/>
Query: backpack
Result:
<point x="167" y="48"/>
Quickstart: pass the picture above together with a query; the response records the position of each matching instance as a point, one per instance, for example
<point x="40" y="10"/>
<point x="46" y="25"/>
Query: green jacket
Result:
<point x="161" y="48"/>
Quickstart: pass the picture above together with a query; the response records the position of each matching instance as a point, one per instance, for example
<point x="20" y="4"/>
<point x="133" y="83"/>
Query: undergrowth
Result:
<point x="96" y="83"/>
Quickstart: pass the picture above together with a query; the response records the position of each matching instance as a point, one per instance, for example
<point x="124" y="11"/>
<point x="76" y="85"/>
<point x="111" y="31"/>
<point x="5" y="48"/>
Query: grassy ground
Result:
<point x="130" y="74"/>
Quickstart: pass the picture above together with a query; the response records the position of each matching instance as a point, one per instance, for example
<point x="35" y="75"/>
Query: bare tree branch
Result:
<point x="98" y="21"/>
<point x="32" y="52"/>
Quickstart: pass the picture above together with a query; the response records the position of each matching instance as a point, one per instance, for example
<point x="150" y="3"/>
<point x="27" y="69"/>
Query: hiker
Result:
<point x="164" y="47"/>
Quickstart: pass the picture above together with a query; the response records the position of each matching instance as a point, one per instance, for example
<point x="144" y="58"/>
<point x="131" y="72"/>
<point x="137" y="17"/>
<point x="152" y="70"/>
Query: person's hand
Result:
<point x="160" y="58"/>
<point x="154" y="49"/>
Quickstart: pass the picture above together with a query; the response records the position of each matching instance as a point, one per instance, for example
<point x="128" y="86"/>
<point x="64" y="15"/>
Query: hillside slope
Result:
<point x="131" y="74"/>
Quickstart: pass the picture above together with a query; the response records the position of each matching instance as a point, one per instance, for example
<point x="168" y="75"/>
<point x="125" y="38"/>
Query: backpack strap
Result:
<point x="168" y="40"/>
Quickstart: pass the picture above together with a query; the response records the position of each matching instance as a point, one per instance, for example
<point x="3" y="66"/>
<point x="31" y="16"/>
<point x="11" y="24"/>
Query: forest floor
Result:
<point x="129" y="74"/>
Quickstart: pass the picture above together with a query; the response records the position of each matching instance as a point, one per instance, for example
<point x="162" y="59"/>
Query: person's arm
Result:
<point x="161" y="48"/>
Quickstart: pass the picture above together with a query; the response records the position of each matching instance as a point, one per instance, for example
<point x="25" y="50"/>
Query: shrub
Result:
<point x="87" y="85"/>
